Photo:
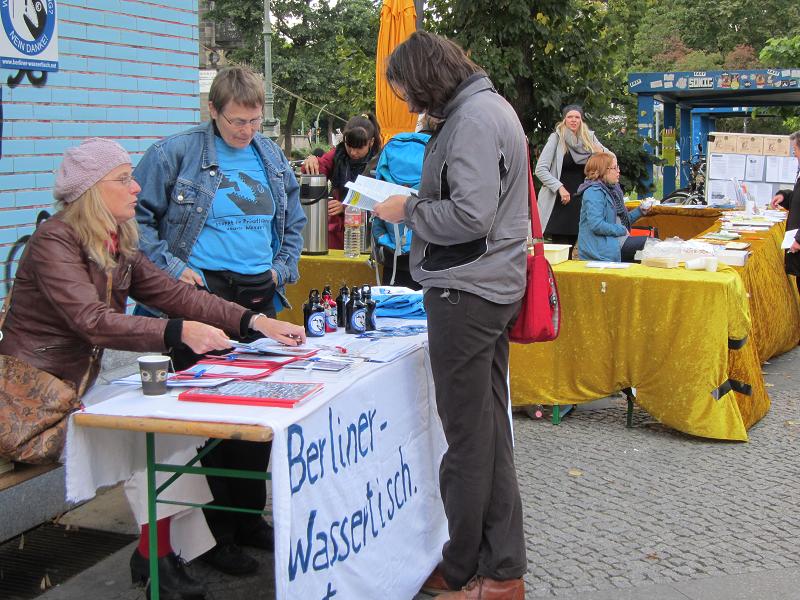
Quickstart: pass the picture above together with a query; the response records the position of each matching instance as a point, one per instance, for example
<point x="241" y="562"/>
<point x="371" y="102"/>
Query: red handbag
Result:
<point x="539" y="318"/>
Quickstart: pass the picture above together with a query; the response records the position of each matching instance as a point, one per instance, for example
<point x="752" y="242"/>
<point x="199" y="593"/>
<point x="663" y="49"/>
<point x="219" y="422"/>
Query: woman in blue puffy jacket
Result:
<point x="605" y="223"/>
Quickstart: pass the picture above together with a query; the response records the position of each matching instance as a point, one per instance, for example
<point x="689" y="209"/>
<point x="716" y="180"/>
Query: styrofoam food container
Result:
<point x="556" y="253"/>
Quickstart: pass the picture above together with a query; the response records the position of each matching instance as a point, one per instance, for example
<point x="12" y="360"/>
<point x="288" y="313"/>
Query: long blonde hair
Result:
<point x="92" y="221"/>
<point x="584" y="135"/>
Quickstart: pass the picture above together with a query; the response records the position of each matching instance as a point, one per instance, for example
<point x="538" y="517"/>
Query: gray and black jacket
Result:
<point x="470" y="220"/>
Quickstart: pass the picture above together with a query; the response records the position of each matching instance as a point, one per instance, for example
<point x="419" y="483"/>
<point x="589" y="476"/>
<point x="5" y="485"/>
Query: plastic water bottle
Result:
<point x="352" y="231"/>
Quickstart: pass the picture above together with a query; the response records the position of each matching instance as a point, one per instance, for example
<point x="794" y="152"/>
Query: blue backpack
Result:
<point x="400" y="162"/>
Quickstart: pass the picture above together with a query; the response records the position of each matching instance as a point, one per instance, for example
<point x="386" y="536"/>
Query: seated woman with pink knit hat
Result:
<point x="70" y="293"/>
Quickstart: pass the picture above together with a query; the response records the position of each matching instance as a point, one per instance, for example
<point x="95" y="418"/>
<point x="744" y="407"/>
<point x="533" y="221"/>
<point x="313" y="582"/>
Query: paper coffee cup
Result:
<point x="153" y="370"/>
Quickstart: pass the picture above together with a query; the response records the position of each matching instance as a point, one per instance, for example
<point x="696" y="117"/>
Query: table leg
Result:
<point x="561" y="411"/>
<point x="152" y="517"/>
<point x="556" y="414"/>
<point x="630" y="397"/>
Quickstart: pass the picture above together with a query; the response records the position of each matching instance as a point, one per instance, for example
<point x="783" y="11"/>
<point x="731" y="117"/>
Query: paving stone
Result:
<point x="657" y="505"/>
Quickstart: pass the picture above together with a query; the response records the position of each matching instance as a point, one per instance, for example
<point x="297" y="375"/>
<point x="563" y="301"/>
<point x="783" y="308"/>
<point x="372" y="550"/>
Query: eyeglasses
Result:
<point x="242" y="123"/>
<point x="125" y="180"/>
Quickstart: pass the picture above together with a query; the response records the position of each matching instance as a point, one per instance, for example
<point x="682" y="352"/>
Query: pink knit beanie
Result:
<point x="85" y="165"/>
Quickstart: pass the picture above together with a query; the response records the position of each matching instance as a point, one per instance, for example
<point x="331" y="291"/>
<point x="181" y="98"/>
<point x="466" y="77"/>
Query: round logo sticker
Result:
<point x="315" y="326"/>
<point x="29" y="24"/>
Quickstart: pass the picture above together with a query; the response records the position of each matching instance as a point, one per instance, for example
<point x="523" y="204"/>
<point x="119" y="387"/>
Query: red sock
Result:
<point x="164" y="545"/>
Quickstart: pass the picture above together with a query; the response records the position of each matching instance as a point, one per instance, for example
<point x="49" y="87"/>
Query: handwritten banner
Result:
<point x="356" y="499"/>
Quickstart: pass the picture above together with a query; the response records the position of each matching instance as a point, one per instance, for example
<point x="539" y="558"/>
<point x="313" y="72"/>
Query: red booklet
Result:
<point x="255" y="393"/>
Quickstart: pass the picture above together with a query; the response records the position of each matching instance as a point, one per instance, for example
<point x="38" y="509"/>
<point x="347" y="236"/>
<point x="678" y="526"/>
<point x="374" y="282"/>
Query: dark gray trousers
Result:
<point x="468" y="338"/>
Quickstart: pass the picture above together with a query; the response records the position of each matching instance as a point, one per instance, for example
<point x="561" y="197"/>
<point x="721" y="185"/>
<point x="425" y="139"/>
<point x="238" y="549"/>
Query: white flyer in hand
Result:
<point x="788" y="239"/>
<point x="365" y="192"/>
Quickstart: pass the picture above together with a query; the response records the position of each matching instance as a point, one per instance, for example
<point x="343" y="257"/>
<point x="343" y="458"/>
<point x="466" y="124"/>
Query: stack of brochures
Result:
<point x="271" y="347"/>
<point x="6" y="465"/>
<point x="281" y="394"/>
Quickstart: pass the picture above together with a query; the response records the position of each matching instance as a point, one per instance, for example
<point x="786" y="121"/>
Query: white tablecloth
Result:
<point x="355" y="489"/>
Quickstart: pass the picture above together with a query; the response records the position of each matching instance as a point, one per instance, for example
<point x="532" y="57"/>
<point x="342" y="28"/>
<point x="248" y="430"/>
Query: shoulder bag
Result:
<point x="35" y="405"/>
<point x="539" y="318"/>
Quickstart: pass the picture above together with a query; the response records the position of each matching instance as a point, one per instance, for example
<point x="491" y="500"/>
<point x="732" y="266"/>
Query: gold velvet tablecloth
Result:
<point x="774" y="303"/>
<point x="327" y="269"/>
<point x="664" y="332"/>
<point x="775" y="310"/>
<point x="678" y="221"/>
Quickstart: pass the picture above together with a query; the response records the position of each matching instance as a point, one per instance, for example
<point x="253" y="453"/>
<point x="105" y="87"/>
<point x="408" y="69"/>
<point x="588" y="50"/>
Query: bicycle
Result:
<point x="695" y="192"/>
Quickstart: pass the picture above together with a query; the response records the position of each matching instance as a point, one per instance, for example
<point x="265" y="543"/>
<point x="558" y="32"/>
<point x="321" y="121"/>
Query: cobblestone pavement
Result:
<point x="608" y="507"/>
<point x="613" y="513"/>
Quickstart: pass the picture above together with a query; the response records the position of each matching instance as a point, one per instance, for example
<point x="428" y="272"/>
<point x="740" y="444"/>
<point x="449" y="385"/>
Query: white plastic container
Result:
<point x="556" y="253"/>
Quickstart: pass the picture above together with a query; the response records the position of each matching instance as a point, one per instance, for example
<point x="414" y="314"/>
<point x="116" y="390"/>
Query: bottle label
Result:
<point x="352" y="218"/>
<point x="315" y="324"/>
<point x="330" y="318"/>
<point x="358" y="320"/>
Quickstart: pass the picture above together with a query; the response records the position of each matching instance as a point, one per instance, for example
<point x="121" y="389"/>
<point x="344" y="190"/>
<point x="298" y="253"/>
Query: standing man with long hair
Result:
<point x="470" y="222"/>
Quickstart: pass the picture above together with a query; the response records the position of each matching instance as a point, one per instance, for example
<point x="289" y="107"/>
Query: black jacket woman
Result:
<point x="560" y="169"/>
<point x="790" y="200"/>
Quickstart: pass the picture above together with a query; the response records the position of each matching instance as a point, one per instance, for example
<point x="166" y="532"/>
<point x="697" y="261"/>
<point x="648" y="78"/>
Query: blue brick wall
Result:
<point x="127" y="70"/>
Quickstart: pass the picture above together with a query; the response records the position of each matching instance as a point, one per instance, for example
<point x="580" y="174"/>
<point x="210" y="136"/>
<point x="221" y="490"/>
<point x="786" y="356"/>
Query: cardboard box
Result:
<point x="750" y="144"/>
<point x="724" y="142"/>
<point x="776" y="145"/>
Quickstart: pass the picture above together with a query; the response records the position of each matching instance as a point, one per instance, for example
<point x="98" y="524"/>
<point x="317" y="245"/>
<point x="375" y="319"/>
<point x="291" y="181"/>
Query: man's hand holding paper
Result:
<point x="367" y="193"/>
<point x="392" y="210"/>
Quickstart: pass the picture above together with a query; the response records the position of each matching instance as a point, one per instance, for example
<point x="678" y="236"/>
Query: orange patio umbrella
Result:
<point x="398" y="21"/>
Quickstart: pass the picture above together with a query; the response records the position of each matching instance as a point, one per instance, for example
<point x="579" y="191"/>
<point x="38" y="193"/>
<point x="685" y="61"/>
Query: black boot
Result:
<point x="174" y="583"/>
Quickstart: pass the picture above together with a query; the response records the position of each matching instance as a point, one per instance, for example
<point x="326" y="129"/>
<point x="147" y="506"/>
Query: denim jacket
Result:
<point x="599" y="232"/>
<point x="179" y="176"/>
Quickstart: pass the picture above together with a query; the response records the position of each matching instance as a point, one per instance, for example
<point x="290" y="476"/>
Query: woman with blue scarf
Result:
<point x="605" y="223"/>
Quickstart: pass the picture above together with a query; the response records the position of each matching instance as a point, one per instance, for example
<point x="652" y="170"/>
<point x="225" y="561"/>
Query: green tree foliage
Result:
<point x="784" y="52"/>
<point x="321" y="51"/>
<point x="781" y="52"/>
<point x="541" y="55"/>
<point x="707" y="34"/>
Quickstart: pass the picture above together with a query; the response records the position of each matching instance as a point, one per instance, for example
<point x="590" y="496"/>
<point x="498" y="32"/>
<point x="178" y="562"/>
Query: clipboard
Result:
<point x="281" y="394"/>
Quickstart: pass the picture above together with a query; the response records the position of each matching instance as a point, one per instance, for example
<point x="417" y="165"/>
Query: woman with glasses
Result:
<point x="560" y="169"/>
<point x="220" y="209"/>
<point x="349" y="159"/>
<point x="70" y="293"/>
<point x="605" y="223"/>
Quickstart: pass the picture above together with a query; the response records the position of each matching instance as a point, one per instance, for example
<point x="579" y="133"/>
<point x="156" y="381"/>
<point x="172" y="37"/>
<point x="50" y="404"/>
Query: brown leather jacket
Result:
<point x="58" y="312"/>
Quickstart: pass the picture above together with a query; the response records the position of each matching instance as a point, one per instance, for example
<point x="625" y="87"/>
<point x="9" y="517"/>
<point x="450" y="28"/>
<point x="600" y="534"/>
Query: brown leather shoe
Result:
<point x="435" y="584"/>
<point x="483" y="588"/>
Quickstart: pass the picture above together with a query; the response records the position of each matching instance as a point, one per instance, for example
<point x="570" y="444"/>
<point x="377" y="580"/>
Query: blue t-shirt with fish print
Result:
<point x="237" y="235"/>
